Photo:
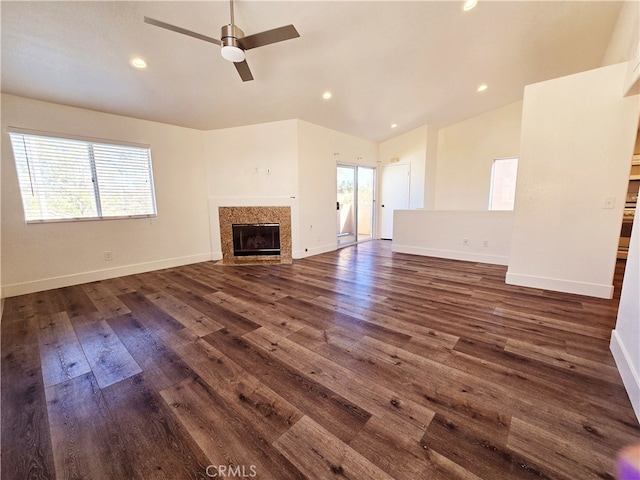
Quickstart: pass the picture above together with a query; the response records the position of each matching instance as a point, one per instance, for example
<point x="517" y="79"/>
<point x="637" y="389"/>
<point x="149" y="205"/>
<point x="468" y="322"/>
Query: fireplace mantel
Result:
<point x="246" y="215"/>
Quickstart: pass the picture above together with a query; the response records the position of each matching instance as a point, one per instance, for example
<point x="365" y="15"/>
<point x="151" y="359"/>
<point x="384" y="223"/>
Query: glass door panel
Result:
<point x="364" y="203"/>
<point x="346" y="205"/>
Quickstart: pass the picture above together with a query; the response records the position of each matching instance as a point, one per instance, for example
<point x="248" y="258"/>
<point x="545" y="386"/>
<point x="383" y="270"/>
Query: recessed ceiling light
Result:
<point x="394" y="125"/>
<point x="482" y="87"/>
<point x="138" y="62"/>
<point x="469" y="4"/>
<point x="326" y="95"/>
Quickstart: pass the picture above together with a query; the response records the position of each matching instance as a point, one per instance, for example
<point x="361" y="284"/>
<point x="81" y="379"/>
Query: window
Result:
<point x="64" y="179"/>
<point x="503" y="184"/>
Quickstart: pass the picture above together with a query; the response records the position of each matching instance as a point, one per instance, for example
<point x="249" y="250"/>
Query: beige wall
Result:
<point x="442" y="234"/>
<point x="410" y="148"/>
<point x="253" y="165"/>
<point x="624" y="338"/>
<point x="624" y="39"/>
<point x="578" y="134"/>
<point x="319" y="151"/>
<point x="41" y="256"/>
<point x="253" y="161"/>
<point x="466" y="152"/>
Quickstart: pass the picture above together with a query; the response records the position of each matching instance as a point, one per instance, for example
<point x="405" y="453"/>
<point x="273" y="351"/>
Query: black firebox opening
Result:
<point x="256" y="239"/>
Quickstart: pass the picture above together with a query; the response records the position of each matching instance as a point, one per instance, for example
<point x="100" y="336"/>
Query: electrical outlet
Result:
<point x="465" y="242"/>
<point x="108" y="256"/>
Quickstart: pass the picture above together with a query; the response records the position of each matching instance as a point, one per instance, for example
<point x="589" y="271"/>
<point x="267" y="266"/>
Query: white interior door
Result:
<point x="394" y="195"/>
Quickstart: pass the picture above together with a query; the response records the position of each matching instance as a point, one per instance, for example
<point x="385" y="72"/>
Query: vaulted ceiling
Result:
<point x="385" y="62"/>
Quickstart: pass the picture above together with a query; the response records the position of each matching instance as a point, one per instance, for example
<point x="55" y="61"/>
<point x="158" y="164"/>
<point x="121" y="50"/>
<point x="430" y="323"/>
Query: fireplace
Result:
<point x="253" y="239"/>
<point x="255" y="235"/>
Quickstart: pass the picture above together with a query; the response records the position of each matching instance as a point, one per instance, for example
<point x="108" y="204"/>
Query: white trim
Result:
<point x="452" y="254"/>
<point x="560" y="285"/>
<point x="630" y="377"/>
<point x="15" y="289"/>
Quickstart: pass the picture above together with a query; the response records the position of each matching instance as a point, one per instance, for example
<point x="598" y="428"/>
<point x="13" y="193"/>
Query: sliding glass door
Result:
<point x="356" y="186"/>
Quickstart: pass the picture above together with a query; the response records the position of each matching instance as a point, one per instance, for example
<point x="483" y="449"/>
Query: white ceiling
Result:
<point x="410" y="63"/>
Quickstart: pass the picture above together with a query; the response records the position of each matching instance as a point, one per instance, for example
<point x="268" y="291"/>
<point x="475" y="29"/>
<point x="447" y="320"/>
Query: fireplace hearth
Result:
<point x="256" y="239"/>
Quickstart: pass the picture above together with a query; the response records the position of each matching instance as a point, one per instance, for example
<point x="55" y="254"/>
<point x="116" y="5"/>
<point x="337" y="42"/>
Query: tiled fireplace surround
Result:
<point x="230" y="215"/>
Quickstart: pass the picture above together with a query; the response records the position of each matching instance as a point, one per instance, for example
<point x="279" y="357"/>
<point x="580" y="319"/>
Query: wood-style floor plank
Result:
<point x="86" y="439"/>
<point x="225" y="436"/>
<point x="26" y="443"/>
<point x="359" y="363"/>
<point x="162" y="366"/>
<point x="61" y="355"/>
<point x="110" y="360"/>
<point x="340" y="416"/>
<point x="155" y="440"/>
<point x="381" y="401"/>
<point x="320" y="455"/>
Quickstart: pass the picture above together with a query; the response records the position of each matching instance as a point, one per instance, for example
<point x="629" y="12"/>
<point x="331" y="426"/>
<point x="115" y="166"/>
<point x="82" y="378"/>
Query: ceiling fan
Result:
<point x="233" y="41"/>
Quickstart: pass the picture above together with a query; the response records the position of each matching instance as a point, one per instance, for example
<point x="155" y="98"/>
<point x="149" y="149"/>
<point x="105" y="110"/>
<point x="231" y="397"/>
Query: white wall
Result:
<point x="319" y="151"/>
<point x="578" y="134"/>
<point x="254" y="165"/>
<point x="625" y="339"/>
<point x="438" y="233"/>
<point x="50" y="255"/>
<point x="466" y="152"/>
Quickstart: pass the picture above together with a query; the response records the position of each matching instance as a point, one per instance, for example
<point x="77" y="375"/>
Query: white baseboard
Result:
<point x="560" y="285"/>
<point x="452" y="254"/>
<point x="15" y="289"/>
<point x="630" y="376"/>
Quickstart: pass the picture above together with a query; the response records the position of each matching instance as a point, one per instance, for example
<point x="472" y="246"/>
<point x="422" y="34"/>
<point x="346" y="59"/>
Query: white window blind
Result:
<point x="68" y="179"/>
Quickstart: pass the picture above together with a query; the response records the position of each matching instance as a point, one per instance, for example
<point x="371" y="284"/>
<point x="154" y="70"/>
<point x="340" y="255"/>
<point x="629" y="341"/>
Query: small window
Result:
<point x="64" y="179"/>
<point x="503" y="183"/>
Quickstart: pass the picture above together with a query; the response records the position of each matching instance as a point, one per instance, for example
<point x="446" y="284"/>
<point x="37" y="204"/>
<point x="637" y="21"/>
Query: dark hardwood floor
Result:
<point x="357" y="364"/>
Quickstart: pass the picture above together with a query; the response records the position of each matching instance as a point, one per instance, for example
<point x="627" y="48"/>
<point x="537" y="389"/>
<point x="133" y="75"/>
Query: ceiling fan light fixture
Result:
<point x="231" y="50"/>
<point x="469" y="5"/>
<point x="232" y="53"/>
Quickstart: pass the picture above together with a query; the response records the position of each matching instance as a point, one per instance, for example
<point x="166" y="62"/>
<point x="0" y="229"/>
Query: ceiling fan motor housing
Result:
<point x="230" y="35"/>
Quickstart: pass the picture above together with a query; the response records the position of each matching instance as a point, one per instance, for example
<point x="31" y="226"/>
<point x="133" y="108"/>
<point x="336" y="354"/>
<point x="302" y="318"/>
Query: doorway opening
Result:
<point x="355" y="202"/>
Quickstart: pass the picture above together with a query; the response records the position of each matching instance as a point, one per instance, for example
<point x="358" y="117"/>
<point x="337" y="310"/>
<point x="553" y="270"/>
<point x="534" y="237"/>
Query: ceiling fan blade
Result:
<point x="268" y="37"/>
<point x="243" y="70"/>
<point x="173" y="28"/>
